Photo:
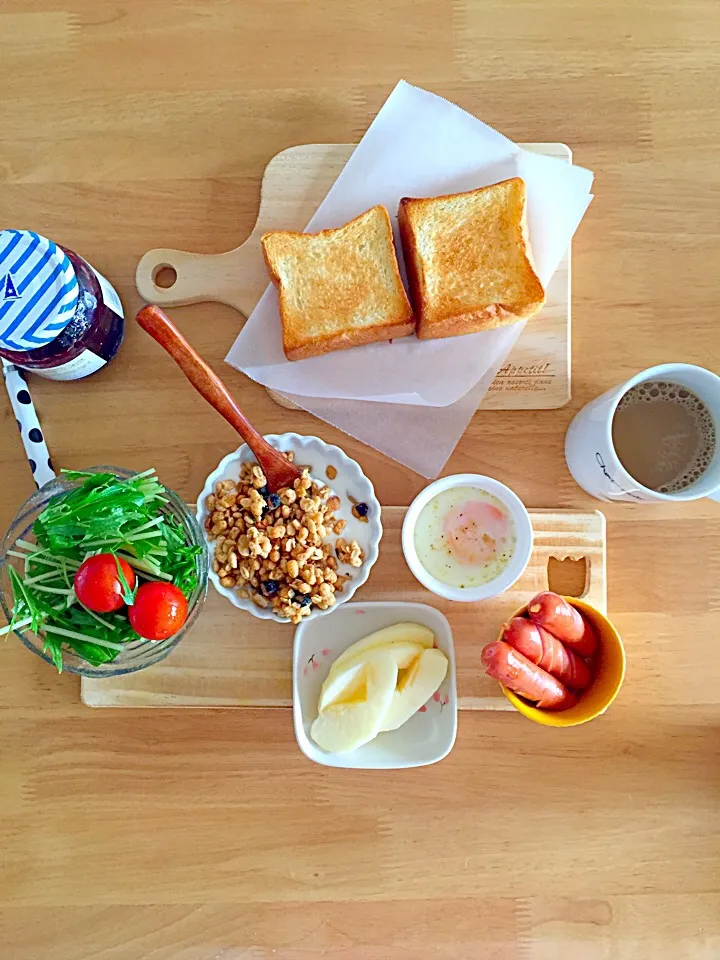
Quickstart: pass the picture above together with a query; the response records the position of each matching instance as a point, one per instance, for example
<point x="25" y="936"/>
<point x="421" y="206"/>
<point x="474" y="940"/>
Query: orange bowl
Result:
<point x="608" y="667"/>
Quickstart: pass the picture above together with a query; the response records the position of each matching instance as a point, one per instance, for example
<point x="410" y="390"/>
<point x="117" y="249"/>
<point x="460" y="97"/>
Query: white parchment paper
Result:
<point x="419" y="145"/>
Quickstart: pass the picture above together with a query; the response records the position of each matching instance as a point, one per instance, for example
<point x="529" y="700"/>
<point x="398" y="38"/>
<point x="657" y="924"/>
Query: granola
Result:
<point x="274" y="548"/>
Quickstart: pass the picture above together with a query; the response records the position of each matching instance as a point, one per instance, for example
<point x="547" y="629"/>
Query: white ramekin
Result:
<point x="516" y="564"/>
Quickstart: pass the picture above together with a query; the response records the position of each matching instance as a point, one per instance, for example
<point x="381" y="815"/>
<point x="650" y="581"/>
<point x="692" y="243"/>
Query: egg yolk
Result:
<point x="473" y="531"/>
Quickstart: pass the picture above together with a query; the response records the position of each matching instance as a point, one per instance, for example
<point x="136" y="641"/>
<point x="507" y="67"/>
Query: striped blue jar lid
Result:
<point x="38" y="290"/>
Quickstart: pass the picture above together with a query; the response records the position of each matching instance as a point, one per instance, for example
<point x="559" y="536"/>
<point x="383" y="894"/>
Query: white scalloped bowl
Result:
<point x="350" y="479"/>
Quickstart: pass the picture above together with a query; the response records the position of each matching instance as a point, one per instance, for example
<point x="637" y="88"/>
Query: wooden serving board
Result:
<point x="537" y="372"/>
<point x="231" y="659"/>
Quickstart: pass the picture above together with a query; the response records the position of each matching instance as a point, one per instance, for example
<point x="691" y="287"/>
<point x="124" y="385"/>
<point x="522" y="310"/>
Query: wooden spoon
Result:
<point x="277" y="468"/>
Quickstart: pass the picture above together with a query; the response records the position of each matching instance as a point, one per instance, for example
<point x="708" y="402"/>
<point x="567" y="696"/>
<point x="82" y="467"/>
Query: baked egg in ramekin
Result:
<point x="467" y="537"/>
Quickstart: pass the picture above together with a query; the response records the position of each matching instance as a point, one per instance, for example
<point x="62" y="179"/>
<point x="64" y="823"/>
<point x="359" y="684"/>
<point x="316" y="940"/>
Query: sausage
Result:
<point x="545" y="650"/>
<point x="589" y="639"/>
<point x="553" y="612"/>
<point x="517" y="673"/>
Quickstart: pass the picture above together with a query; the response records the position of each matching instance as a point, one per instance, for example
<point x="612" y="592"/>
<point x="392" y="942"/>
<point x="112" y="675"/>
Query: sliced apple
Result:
<point x="408" y="674"/>
<point x="399" y="633"/>
<point x="415" y="687"/>
<point x="340" y="683"/>
<point x="355" y="718"/>
<point x="341" y="686"/>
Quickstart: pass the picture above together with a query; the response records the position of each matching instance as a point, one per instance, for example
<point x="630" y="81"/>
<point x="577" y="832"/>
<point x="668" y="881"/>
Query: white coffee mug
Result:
<point x="591" y="456"/>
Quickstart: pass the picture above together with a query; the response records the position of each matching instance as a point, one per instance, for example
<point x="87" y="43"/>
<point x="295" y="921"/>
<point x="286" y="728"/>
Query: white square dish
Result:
<point x="425" y="738"/>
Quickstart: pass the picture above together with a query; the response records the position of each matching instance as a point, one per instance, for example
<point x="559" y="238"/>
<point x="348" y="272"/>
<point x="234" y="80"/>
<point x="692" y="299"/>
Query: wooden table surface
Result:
<point x="161" y="835"/>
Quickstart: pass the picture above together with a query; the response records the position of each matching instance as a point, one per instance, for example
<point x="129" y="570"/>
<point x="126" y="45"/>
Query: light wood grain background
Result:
<point x="160" y="835"/>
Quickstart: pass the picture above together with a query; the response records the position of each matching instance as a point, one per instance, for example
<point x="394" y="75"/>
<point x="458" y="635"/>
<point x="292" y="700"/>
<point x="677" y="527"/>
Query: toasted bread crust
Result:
<point x="302" y="340"/>
<point x="461" y="323"/>
<point x="355" y="338"/>
<point x="413" y="261"/>
<point x="443" y="317"/>
<point x="328" y="232"/>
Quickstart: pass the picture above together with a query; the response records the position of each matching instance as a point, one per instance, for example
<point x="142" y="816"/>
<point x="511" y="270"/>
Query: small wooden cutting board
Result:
<point x="232" y="659"/>
<point x="536" y="374"/>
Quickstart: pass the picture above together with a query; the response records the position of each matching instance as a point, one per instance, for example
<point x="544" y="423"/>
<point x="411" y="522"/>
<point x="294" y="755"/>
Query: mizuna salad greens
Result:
<point x="105" y="514"/>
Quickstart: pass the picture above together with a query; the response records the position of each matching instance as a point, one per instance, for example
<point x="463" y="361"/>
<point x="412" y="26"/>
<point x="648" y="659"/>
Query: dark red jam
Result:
<point x="90" y="338"/>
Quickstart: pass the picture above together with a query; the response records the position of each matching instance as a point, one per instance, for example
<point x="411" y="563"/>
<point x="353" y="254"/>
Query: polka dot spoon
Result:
<point x="28" y="424"/>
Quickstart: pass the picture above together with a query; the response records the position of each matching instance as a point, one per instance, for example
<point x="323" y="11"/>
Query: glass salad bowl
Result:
<point x="132" y="654"/>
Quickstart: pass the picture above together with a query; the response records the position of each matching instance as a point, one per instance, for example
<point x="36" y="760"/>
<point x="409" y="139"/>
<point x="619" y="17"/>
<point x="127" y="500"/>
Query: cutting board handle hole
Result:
<point x="569" y="576"/>
<point x="164" y="276"/>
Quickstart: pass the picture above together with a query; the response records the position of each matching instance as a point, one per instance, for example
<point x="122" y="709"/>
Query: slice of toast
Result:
<point x="468" y="260"/>
<point x="338" y="288"/>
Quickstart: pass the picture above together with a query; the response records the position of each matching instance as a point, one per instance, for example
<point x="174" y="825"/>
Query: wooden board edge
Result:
<point x="499" y="704"/>
<point x="170" y="703"/>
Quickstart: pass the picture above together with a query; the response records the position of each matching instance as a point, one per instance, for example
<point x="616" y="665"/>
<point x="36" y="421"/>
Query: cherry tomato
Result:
<point x="98" y="586"/>
<point x="160" y="609"/>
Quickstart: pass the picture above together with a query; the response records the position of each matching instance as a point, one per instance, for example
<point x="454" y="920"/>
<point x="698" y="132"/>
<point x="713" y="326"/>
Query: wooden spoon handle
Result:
<point x="155" y="321"/>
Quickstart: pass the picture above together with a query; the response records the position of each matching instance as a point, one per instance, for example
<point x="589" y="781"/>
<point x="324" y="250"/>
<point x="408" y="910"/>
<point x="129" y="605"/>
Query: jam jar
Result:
<point x="59" y="317"/>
